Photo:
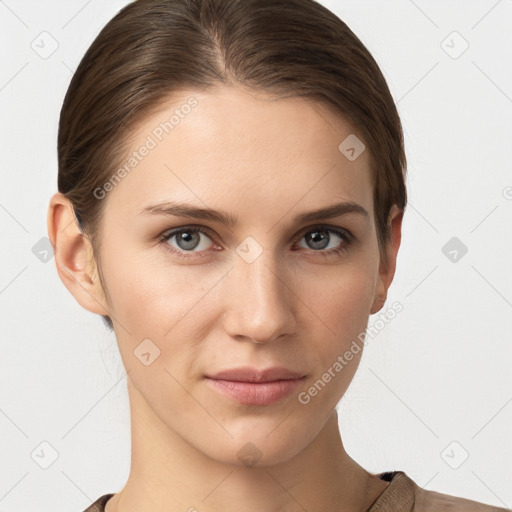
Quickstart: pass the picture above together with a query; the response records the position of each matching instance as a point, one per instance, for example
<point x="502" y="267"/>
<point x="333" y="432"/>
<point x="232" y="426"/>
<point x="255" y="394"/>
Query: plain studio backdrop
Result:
<point x="433" y="393"/>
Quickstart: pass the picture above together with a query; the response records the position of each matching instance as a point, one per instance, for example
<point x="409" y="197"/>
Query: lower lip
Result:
<point x="254" y="393"/>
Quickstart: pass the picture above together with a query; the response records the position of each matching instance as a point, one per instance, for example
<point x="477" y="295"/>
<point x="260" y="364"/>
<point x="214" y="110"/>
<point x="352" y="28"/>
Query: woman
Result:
<point x="231" y="193"/>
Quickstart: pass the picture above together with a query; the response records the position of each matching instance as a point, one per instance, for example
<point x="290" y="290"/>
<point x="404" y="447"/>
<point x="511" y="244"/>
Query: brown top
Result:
<point x="401" y="495"/>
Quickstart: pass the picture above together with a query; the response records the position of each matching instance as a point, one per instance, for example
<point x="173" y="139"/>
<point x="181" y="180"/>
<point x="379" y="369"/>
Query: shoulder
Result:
<point x="404" y="495"/>
<point x="432" y="501"/>
<point x="99" y="504"/>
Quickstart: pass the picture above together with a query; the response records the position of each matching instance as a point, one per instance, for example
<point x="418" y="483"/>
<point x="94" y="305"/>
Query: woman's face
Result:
<point x="267" y="290"/>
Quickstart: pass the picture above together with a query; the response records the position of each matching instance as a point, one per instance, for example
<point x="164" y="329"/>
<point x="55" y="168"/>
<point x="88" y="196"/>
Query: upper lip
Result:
<point x="248" y="374"/>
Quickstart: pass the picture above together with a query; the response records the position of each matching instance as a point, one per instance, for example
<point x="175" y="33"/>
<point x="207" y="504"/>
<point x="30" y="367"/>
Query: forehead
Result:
<point x="235" y="149"/>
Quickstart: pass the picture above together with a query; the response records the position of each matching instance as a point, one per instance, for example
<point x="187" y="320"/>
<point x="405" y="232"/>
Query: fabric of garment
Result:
<point x="401" y="495"/>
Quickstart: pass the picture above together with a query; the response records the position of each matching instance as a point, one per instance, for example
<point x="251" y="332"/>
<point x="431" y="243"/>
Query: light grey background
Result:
<point x="434" y="385"/>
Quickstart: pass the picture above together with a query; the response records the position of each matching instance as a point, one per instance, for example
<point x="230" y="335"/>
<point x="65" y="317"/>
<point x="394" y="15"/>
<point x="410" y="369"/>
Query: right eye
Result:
<point x="187" y="239"/>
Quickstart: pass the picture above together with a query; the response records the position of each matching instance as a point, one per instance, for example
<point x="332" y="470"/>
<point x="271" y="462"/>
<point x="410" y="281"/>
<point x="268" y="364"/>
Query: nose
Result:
<point x="260" y="304"/>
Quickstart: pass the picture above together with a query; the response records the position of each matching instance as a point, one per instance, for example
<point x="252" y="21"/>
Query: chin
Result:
<point x="256" y="446"/>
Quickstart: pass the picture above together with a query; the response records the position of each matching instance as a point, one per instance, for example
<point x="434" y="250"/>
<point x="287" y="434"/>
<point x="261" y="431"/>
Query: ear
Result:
<point x="74" y="256"/>
<point x="387" y="270"/>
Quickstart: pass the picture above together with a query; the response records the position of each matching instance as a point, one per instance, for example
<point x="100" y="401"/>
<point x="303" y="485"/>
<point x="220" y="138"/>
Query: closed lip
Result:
<point x="248" y="374"/>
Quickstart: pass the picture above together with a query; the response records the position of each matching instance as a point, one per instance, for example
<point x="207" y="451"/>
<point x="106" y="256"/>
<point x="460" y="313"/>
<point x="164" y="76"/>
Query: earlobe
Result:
<point x="73" y="256"/>
<point x="380" y="297"/>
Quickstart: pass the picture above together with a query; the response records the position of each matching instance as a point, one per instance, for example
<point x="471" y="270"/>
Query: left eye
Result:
<point x="320" y="238"/>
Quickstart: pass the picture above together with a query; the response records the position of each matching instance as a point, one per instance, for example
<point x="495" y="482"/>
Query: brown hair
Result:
<point x="152" y="48"/>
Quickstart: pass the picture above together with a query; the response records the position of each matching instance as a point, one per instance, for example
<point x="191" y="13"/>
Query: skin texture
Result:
<point x="263" y="161"/>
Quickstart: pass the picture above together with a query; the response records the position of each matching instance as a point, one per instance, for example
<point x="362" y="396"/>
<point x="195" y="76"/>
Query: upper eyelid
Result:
<point x="173" y="231"/>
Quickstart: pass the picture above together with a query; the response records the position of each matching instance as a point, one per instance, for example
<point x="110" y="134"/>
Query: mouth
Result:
<point x="250" y="386"/>
<point x="255" y="393"/>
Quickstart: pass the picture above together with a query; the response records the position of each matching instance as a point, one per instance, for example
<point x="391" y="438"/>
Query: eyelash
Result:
<point x="342" y="233"/>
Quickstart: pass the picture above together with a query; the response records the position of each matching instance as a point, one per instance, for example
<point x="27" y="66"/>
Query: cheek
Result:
<point x="156" y="304"/>
<point x="170" y="304"/>
<point x="341" y="298"/>
<point x="150" y="296"/>
<point x="338" y="316"/>
<point x="342" y="311"/>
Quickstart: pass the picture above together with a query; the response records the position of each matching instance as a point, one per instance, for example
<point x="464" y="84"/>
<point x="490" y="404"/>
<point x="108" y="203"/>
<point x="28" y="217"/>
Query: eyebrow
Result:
<point x="170" y="208"/>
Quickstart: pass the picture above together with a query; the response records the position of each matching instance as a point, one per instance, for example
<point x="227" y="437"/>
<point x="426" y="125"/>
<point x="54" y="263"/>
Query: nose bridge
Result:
<point x="260" y="305"/>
